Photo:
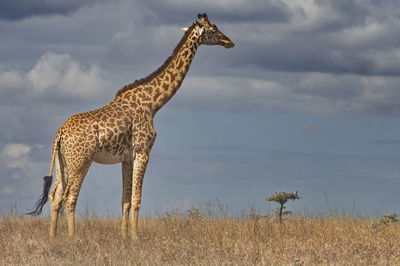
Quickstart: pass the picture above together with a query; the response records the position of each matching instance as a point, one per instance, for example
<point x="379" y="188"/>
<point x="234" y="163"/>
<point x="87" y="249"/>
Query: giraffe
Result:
<point x="120" y="132"/>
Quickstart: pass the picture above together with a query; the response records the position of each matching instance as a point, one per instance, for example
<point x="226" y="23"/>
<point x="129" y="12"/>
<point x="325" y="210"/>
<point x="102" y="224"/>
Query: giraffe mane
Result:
<point x="155" y="73"/>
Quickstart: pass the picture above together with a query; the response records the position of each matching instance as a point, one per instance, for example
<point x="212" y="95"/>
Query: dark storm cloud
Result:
<point x="351" y="12"/>
<point x="324" y="36"/>
<point x="274" y="66"/>
<point x="305" y="55"/>
<point x="178" y="11"/>
<point x="286" y="55"/>
<point x="15" y="10"/>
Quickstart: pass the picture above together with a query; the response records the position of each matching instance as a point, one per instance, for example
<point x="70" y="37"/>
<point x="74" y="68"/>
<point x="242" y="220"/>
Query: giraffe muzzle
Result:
<point x="229" y="44"/>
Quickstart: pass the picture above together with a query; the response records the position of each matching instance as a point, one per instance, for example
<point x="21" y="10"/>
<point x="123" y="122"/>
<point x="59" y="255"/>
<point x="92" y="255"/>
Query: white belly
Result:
<point x="105" y="157"/>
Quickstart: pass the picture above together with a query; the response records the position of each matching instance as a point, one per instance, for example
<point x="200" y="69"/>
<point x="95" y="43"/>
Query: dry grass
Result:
<point x="178" y="240"/>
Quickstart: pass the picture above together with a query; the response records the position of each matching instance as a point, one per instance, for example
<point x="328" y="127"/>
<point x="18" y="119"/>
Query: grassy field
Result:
<point x="202" y="240"/>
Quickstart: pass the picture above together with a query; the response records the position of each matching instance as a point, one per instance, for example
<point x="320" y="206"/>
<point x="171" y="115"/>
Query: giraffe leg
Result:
<point x="55" y="201"/>
<point x="75" y="179"/>
<point x="56" y="196"/>
<point x="139" y="169"/>
<point x="127" y="168"/>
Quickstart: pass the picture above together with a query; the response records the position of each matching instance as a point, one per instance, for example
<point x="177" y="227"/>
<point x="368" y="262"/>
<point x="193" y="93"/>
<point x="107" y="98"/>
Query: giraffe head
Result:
<point x="210" y="35"/>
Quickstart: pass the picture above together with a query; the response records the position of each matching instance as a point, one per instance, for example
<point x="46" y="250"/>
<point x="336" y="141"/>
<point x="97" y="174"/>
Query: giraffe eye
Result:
<point x="213" y="31"/>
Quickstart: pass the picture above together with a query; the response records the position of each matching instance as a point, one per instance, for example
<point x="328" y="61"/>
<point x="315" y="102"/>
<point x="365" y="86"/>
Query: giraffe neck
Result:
<point x="172" y="77"/>
<point x="158" y="88"/>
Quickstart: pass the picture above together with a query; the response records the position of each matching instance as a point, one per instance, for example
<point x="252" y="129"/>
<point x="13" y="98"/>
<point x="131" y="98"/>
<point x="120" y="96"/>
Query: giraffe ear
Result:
<point x="185" y="29"/>
<point x="203" y="18"/>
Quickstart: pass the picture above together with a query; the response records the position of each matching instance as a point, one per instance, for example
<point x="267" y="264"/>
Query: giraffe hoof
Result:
<point x="135" y="238"/>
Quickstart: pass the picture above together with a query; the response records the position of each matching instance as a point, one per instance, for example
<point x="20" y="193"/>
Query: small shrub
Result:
<point x="385" y="220"/>
<point x="282" y="198"/>
<point x="194" y="213"/>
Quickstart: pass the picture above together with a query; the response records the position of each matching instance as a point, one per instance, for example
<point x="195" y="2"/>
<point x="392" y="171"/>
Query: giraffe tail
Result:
<point x="47" y="180"/>
<point x="43" y="198"/>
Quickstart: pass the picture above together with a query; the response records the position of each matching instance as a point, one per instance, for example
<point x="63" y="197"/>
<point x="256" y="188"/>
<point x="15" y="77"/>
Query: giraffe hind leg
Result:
<point x="74" y="183"/>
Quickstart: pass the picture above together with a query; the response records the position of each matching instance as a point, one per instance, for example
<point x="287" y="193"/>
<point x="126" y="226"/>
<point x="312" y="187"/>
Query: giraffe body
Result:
<point x="121" y="132"/>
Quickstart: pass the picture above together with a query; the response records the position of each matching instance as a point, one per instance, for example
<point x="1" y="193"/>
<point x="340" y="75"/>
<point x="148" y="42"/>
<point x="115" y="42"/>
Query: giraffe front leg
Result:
<point x="139" y="169"/>
<point x="127" y="168"/>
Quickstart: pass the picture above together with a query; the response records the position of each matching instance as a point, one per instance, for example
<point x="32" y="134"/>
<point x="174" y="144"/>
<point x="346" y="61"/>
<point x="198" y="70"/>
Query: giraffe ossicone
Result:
<point x="120" y="132"/>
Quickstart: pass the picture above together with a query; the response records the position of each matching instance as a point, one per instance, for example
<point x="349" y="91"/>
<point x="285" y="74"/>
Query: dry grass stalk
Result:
<point x="184" y="240"/>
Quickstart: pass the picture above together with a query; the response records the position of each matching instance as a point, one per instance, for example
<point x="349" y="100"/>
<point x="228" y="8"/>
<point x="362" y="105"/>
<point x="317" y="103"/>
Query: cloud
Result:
<point x="37" y="101"/>
<point x="319" y="57"/>
<point x="7" y="190"/>
<point x="311" y="93"/>
<point x="18" y="156"/>
<point x="231" y="94"/>
<point x="177" y="11"/>
<point x="55" y="77"/>
<point x="323" y="36"/>
<point x="14" y="10"/>
<point x="21" y="164"/>
<point x="15" y="150"/>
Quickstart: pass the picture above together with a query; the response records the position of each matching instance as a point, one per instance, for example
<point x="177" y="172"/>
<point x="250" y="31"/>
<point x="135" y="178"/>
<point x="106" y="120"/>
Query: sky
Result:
<point x="308" y="100"/>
